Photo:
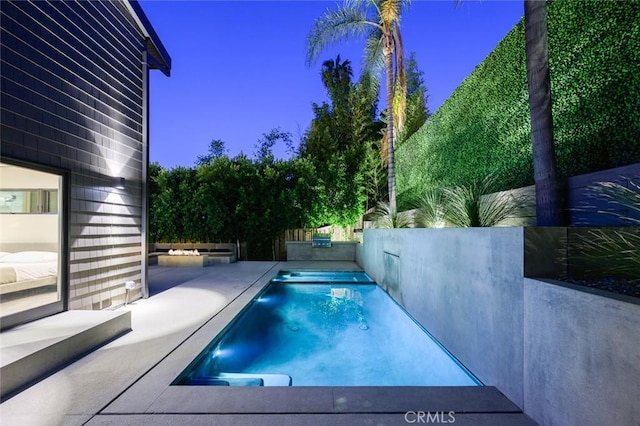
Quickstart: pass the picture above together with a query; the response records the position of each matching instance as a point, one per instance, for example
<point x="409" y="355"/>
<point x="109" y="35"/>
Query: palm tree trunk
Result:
<point x="391" y="173"/>
<point x="548" y="196"/>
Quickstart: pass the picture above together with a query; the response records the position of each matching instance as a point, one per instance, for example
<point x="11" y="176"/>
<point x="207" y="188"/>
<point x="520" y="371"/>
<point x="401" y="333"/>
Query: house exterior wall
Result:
<point x="72" y="77"/>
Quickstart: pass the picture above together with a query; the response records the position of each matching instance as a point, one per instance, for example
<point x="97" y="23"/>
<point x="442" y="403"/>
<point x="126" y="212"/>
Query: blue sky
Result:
<point x="239" y="67"/>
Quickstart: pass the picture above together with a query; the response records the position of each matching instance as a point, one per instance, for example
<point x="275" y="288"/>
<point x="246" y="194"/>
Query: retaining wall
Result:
<point x="563" y="355"/>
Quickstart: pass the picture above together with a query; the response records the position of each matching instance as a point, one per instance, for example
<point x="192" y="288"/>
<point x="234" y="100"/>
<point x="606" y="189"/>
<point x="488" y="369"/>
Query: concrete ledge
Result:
<point x="32" y="351"/>
<point x="189" y="261"/>
<point x="339" y="250"/>
<point x="321" y="399"/>
<point x="336" y="419"/>
<point x="222" y="257"/>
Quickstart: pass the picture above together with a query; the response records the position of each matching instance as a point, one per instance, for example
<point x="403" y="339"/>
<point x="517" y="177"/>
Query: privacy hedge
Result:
<point x="594" y="58"/>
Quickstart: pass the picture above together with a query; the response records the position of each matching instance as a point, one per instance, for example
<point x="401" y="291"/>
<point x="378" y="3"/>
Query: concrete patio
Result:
<point x="126" y="381"/>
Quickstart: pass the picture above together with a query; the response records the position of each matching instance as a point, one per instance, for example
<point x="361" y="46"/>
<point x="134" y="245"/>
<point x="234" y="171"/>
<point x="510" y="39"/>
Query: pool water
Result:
<point x="335" y="333"/>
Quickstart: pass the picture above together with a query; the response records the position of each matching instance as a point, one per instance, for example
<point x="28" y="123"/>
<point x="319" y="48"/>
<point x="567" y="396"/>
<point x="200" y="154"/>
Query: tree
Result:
<point x="216" y="150"/>
<point x="336" y="144"/>
<point x="548" y="196"/>
<point x="380" y="21"/>
<point x="417" y="111"/>
<point x="336" y="77"/>
<point x="264" y="146"/>
<point x="160" y="216"/>
<point x="375" y="177"/>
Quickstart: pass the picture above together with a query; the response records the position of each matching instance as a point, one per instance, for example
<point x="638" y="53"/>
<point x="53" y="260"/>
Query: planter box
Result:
<point x="188" y="261"/>
<point x="581" y="355"/>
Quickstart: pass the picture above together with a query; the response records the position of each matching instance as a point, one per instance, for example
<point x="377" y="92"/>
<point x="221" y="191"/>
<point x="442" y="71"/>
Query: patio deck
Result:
<point x="125" y="381"/>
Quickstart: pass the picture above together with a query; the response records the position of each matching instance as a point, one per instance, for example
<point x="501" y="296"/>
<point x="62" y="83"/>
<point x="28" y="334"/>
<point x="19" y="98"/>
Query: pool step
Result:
<point x="243" y="379"/>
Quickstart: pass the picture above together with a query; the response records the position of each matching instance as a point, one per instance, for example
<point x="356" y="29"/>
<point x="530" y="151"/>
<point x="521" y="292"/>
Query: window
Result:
<point x="40" y="201"/>
<point x="31" y="241"/>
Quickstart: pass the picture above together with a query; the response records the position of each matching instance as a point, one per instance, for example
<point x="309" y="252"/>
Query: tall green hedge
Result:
<point x="594" y="59"/>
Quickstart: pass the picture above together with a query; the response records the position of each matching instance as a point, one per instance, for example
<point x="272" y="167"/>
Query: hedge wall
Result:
<point x="594" y="59"/>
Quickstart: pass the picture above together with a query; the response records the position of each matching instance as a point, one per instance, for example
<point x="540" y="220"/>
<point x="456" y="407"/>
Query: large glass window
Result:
<point x="30" y="244"/>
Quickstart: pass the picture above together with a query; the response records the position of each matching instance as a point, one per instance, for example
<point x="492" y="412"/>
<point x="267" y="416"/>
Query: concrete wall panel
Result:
<point x="464" y="287"/>
<point x="582" y="357"/>
<point x="564" y="354"/>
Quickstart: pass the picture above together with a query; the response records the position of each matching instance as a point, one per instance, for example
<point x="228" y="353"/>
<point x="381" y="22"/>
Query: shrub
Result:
<point x="429" y="211"/>
<point x="476" y="205"/>
<point x="615" y="251"/>
<point x="386" y="218"/>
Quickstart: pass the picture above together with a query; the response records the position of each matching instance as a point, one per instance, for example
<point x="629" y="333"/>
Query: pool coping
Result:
<point x="153" y="393"/>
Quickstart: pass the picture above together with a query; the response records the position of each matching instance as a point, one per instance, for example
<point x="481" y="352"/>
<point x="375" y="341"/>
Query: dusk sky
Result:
<point x="239" y="67"/>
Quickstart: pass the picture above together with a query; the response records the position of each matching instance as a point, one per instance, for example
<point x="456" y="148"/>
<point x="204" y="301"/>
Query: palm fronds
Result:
<point x="373" y="58"/>
<point x="400" y="90"/>
<point x="389" y="11"/>
<point x="350" y="20"/>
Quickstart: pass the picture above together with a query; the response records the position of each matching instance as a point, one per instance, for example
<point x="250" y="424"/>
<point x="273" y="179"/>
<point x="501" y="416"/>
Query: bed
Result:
<point x="26" y="270"/>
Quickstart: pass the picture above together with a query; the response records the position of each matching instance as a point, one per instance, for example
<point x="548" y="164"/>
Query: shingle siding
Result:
<point x="72" y="98"/>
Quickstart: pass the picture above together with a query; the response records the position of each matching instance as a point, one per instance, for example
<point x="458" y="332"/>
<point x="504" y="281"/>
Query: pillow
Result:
<point x="30" y="257"/>
<point x="3" y="253"/>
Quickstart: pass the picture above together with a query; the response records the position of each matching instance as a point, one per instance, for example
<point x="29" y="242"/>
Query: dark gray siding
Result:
<point x="72" y="76"/>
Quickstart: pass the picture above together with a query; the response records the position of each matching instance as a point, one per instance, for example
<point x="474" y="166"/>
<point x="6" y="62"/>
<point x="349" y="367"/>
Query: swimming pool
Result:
<point x="324" y="329"/>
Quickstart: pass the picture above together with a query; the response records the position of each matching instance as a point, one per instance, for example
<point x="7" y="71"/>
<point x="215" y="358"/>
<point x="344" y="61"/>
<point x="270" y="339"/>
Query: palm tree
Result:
<point x="336" y="77"/>
<point x="379" y="21"/>
<point x="548" y="198"/>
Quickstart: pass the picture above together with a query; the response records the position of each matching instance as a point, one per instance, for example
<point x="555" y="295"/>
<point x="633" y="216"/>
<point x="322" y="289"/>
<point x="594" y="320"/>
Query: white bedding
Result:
<point x="31" y="271"/>
<point x="29" y="265"/>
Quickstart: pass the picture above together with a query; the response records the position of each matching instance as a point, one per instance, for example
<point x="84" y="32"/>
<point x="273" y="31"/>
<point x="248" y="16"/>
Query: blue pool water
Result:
<point x="302" y="333"/>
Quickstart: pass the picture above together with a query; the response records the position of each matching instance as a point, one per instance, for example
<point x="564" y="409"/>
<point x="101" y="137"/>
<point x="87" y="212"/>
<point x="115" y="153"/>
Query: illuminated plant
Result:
<point x="429" y="210"/>
<point x="387" y="217"/>
<point x="477" y="205"/>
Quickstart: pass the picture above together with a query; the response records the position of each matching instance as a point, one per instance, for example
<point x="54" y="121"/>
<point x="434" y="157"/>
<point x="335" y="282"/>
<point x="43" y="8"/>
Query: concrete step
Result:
<point x="32" y="351"/>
